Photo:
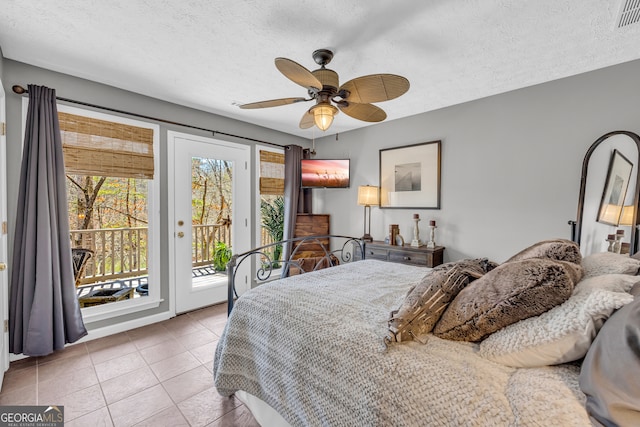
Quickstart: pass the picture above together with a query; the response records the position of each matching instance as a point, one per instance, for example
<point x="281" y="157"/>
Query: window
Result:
<point x="270" y="199"/>
<point x="112" y="191"/>
<point x="271" y="196"/>
<point x="271" y="173"/>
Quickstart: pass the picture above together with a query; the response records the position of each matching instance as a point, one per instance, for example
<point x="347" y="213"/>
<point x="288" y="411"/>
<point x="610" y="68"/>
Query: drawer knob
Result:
<point x="407" y="258"/>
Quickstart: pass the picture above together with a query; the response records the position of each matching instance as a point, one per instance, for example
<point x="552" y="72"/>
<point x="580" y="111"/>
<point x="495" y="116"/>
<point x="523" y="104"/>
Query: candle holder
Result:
<point x="617" y="245"/>
<point x="431" y="244"/>
<point x="416" y="243"/>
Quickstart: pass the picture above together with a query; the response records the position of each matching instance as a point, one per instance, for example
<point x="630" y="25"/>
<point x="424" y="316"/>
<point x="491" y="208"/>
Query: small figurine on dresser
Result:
<point x="394" y="237"/>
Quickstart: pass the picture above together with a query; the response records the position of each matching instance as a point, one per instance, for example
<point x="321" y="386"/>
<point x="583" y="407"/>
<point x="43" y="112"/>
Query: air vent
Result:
<point x="629" y="13"/>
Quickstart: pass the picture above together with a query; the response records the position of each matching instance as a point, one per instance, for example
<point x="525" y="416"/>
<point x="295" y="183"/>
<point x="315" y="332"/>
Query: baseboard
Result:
<point x="113" y="329"/>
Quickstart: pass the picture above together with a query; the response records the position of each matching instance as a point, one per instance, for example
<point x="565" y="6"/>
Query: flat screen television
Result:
<point x="319" y="173"/>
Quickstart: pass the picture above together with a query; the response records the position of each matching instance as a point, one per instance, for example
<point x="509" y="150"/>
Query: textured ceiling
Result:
<point x="215" y="54"/>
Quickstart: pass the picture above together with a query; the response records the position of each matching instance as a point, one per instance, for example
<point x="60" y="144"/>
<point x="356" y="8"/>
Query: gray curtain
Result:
<point x="44" y="313"/>
<point x="296" y="199"/>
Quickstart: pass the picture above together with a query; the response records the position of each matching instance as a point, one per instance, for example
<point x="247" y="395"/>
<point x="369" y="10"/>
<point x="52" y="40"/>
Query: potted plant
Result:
<point x="221" y="256"/>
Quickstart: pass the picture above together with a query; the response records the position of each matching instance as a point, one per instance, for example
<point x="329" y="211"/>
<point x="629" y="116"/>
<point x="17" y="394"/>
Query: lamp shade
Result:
<point x="368" y="195"/>
<point x="323" y="113"/>
<point x="627" y="215"/>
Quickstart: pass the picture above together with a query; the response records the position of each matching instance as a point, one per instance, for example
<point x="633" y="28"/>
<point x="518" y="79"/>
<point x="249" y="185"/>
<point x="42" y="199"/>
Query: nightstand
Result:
<point x="406" y="254"/>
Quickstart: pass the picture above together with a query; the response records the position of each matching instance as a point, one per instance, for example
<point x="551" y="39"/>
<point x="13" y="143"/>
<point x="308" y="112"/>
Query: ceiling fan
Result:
<point x="354" y="98"/>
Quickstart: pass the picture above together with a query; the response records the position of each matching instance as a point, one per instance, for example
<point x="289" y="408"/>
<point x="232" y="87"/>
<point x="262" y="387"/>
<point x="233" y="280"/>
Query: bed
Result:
<point x="314" y="349"/>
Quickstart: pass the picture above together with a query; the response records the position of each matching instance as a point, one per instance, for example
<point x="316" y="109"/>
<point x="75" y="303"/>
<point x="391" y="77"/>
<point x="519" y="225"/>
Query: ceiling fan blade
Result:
<point x="364" y="112"/>
<point x="307" y="120"/>
<point x="375" y="88"/>
<point x="272" y="103"/>
<point x="297" y="73"/>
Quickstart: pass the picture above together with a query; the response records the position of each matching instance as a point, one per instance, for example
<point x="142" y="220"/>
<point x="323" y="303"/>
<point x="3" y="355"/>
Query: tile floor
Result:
<point x="157" y="375"/>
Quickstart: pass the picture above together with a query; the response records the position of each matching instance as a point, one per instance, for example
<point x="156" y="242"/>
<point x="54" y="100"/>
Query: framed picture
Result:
<point x="615" y="189"/>
<point x="410" y="176"/>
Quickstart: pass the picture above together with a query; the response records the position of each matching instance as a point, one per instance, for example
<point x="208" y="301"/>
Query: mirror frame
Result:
<point x="576" y="226"/>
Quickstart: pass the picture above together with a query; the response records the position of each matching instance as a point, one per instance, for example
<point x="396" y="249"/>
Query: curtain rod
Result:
<point x="21" y="91"/>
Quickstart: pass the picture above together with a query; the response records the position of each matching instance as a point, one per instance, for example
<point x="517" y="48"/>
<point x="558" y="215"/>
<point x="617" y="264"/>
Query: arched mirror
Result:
<point x="608" y="200"/>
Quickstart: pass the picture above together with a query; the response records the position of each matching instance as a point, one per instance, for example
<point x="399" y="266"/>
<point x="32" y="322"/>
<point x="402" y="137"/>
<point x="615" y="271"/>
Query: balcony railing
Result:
<point x="119" y="253"/>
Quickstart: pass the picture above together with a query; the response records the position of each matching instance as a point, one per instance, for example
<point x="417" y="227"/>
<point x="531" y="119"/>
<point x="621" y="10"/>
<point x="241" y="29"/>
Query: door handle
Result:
<point x="3" y="266"/>
<point x="180" y="234"/>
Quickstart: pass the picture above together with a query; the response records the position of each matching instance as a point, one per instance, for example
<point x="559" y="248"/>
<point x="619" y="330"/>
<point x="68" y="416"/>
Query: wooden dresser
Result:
<point x="311" y="225"/>
<point x="403" y="254"/>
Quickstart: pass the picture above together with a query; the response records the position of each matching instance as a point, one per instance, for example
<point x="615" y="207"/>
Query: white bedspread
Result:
<point x="311" y="346"/>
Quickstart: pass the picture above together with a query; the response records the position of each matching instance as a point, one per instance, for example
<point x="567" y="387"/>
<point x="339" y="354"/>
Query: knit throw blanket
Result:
<point x="312" y="347"/>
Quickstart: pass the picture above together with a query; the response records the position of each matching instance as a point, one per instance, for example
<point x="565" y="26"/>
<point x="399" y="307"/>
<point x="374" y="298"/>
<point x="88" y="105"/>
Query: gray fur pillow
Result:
<point x="511" y="292"/>
<point x="426" y="301"/>
<point x="557" y="249"/>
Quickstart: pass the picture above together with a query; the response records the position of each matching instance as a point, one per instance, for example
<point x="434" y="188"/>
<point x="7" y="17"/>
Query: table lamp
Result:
<point x="368" y="195"/>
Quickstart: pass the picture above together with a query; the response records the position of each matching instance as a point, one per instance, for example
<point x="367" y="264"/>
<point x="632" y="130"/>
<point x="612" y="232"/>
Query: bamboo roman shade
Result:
<point x="103" y="148"/>
<point x="271" y="173"/>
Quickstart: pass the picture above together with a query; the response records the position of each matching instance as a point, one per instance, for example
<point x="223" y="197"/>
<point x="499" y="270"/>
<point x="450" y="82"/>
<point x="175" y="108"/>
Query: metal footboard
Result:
<point x="323" y="255"/>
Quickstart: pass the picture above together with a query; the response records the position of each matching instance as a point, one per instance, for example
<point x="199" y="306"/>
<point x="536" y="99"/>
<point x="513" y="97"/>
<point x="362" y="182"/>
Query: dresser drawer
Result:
<point x="429" y="257"/>
<point x="376" y="253"/>
<point x="408" y="257"/>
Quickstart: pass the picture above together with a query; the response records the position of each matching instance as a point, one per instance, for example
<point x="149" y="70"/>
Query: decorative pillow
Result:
<point x="426" y="301"/>
<point x="609" y="373"/>
<point x="609" y="263"/>
<point x="556" y="249"/>
<point x="565" y="332"/>
<point x="511" y="292"/>
<point x="635" y="290"/>
<point x="607" y="282"/>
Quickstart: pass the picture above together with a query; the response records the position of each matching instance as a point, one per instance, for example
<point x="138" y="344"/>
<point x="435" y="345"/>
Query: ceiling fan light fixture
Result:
<point x="355" y="98"/>
<point x="323" y="114"/>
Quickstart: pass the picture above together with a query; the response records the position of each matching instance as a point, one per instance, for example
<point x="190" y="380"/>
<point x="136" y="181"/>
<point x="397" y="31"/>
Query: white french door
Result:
<point x="211" y="202"/>
<point x="4" y="276"/>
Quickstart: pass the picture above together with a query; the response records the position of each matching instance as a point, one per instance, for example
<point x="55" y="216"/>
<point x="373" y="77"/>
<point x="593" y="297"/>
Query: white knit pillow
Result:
<point x="565" y="332"/>
<point x="609" y="263"/>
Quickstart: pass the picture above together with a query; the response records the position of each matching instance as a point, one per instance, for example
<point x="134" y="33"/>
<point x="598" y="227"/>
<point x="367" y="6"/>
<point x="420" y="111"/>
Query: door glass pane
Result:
<point x="211" y="213"/>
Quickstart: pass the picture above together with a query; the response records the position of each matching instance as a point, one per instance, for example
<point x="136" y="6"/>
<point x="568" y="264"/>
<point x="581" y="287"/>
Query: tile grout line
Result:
<point x="106" y="404"/>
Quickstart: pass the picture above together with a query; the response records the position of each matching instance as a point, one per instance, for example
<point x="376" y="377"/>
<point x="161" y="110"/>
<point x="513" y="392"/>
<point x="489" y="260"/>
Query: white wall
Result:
<point x="511" y="163"/>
